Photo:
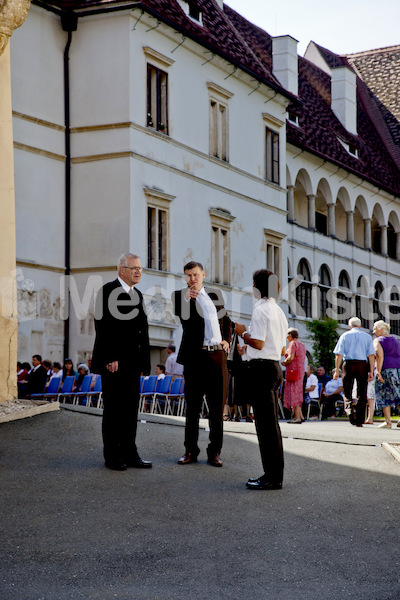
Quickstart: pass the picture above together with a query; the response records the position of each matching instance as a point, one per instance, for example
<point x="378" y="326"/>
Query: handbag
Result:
<point x="292" y="374"/>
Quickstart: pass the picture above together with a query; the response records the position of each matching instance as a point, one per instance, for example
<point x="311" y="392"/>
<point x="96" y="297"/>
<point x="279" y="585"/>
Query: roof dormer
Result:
<point x="192" y="10"/>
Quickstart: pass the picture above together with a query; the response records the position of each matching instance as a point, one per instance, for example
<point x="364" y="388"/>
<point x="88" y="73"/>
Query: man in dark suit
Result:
<point x="121" y="353"/>
<point x="37" y="376"/>
<point x="205" y="342"/>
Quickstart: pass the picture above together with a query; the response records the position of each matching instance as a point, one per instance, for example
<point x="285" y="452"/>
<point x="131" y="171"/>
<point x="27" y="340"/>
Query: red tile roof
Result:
<point x="246" y="46"/>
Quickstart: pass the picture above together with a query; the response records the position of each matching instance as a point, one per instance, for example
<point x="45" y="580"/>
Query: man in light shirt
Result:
<point x="357" y="350"/>
<point x="205" y="342"/>
<point x="266" y="342"/>
<point x="171" y="366"/>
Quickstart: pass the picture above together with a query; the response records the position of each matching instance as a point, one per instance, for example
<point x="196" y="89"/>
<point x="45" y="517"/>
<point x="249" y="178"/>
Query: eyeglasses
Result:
<point x="140" y="269"/>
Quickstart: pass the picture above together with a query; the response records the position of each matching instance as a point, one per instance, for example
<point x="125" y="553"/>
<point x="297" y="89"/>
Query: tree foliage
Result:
<point x="324" y="336"/>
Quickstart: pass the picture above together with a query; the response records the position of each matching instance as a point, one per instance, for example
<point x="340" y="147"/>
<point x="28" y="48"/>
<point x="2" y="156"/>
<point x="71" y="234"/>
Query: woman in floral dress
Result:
<point x="387" y="379"/>
<point x="295" y="357"/>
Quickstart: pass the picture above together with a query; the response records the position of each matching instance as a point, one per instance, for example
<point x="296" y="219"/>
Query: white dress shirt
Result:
<point x="212" y="331"/>
<point x="268" y="324"/>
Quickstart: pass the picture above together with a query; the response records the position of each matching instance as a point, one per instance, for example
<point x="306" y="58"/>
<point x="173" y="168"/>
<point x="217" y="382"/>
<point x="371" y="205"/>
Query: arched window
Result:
<point x="345" y="298"/>
<point x="378" y="302"/>
<point x="303" y="291"/>
<point x="394" y="312"/>
<point x="362" y="302"/>
<point x="324" y="287"/>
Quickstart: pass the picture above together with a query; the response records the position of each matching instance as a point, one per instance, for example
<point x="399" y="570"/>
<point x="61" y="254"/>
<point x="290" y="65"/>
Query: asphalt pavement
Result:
<point x="72" y="530"/>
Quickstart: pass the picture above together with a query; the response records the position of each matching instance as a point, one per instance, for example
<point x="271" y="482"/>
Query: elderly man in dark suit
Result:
<point x="205" y="342"/>
<point x="121" y="352"/>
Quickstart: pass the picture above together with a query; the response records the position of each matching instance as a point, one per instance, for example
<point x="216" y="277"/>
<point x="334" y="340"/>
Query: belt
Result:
<point x="213" y="348"/>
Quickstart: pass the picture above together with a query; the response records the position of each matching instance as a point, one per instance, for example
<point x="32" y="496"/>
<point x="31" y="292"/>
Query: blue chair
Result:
<point x="173" y="400"/>
<point x="96" y="391"/>
<point x="51" y="392"/>
<point x="85" y="388"/>
<point x="66" y="390"/>
<point x="148" y="391"/>
<point x="159" y="398"/>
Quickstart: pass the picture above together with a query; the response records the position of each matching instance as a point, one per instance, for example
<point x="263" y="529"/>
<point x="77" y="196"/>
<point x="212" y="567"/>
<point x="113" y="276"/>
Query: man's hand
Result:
<point x="192" y="293"/>
<point x="241" y="349"/>
<point x="112" y="366"/>
<point x="225" y="345"/>
<point x="240" y="328"/>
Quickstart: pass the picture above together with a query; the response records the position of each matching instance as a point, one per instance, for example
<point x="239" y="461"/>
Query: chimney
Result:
<point x="285" y="65"/>
<point x="220" y="4"/>
<point x="344" y="100"/>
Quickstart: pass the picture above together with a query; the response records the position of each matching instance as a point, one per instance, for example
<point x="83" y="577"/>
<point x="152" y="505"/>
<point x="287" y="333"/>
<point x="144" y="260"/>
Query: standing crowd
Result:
<point x="212" y="342"/>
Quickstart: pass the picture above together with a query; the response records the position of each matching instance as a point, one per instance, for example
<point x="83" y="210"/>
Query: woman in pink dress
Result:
<point x="294" y="360"/>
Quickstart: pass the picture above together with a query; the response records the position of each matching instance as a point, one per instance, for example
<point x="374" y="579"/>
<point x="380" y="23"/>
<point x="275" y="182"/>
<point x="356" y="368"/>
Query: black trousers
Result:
<point x="356" y="370"/>
<point x="208" y="376"/>
<point x="265" y="378"/>
<point x="121" y="392"/>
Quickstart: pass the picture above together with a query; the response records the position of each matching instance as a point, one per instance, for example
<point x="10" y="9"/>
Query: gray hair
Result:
<point x="311" y="367"/>
<point x="123" y="259"/>
<point x="354" y="322"/>
<point x="382" y="325"/>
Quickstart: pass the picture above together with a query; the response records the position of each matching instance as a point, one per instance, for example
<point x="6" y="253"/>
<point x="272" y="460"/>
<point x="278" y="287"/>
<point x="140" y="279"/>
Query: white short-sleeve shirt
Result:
<point x="268" y="324"/>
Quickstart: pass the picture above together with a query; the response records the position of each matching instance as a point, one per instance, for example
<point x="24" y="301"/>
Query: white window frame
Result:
<point x="220" y="245"/>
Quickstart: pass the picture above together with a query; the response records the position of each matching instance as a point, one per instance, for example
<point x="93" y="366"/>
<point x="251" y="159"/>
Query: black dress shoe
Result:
<point x="187" y="458"/>
<point x="214" y="460"/>
<point x="139" y="464"/>
<point x="259" y="484"/>
<point x="115" y="465"/>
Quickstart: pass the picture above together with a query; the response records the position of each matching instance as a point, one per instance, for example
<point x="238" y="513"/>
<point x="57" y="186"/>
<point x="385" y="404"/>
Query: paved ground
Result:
<point x="73" y="530"/>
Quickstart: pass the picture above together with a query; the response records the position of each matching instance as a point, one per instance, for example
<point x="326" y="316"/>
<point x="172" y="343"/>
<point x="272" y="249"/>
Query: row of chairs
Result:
<point x="90" y="391"/>
<point x="162" y="396"/>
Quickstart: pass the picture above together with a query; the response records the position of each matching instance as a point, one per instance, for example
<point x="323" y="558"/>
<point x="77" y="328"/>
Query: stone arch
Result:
<point x="362" y="301"/>
<point x="393" y="234"/>
<point x="323" y="198"/>
<point x="302" y="189"/>
<point x="360" y="221"/>
<point x="304" y="290"/>
<point x="324" y="285"/>
<point x="377" y="222"/>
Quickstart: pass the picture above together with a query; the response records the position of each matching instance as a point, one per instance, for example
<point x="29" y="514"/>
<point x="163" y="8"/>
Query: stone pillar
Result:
<point x="350" y="226"/>
<point x="311" y="211"/>
<point x="290" y="202"/>
<point x="384" y="240"/>
<point x="331" y="220"/>
<point x="367" y="234"/>
<point x="12" y="14"/>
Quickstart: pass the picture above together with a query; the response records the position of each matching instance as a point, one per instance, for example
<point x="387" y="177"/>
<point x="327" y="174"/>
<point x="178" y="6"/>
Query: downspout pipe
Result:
<point x="69" y="22"/>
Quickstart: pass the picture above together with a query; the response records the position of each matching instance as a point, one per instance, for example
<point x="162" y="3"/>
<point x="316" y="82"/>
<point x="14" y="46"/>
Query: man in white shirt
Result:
<point x="205" y="341"/>
<point x="266" y="342"/>
<point x="171" y="366"/>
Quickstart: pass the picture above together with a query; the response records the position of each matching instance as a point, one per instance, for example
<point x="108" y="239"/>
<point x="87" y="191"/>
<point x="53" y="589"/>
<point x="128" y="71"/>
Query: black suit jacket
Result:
<point x="36" y="380"/>
<point x="121" y="330"/>
<point x="192" y="320"/>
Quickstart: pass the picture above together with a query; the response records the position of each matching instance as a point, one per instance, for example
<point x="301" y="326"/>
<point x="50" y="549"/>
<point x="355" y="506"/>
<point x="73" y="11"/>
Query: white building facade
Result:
<point x="142" y="135"/>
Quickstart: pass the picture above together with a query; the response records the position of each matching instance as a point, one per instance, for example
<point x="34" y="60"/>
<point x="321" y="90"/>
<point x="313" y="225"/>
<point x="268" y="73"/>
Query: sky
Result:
<point x="342" y="26"/>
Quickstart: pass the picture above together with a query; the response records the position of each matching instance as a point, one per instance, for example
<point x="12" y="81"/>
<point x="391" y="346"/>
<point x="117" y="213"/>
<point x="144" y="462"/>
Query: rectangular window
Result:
<point x="157" y="238"/>
<point x="218" y="130"/>
<point x="273" y="246"/>
<point x="272" y="156"/>
<point x="220" y="255"/>
<point x="157" y="99"/>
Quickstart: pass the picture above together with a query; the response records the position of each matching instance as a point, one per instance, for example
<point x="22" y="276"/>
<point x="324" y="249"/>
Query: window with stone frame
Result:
<point x="219" y="121"/>
<point x="272" y="147"/>
<point x="273" y="252"/>
<point x="157" y="89"/>
<point x="220" y="245"/>
<point x="158" y="238"/>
